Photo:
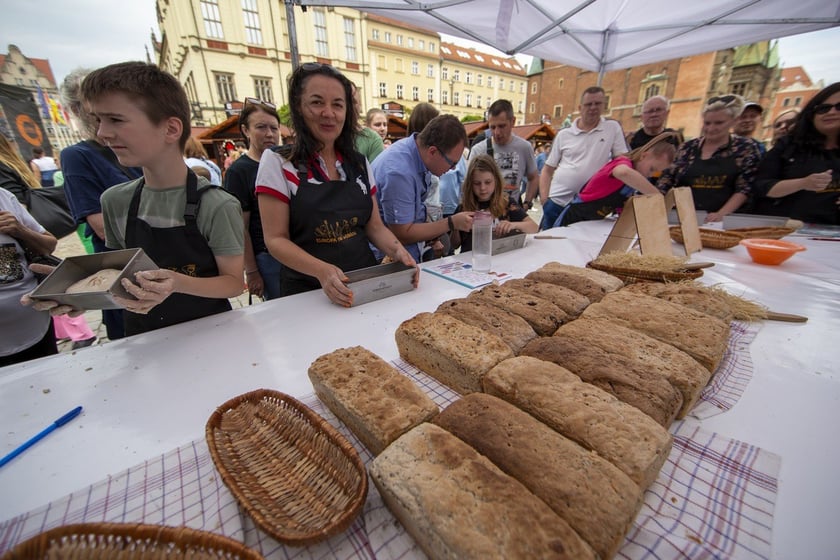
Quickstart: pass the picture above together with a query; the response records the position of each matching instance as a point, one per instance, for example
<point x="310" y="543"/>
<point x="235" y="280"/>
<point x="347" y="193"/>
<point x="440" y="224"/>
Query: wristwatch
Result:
<point x="528" y="204"/>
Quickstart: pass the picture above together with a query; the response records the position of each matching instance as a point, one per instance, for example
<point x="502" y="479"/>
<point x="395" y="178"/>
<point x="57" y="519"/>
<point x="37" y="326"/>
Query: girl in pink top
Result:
<point x="619" y="179"/>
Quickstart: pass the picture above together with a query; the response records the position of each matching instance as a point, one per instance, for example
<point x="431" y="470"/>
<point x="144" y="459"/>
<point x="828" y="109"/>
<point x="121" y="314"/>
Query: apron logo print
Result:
<point x="336" y="232"/>
<point x="362" y="185"/>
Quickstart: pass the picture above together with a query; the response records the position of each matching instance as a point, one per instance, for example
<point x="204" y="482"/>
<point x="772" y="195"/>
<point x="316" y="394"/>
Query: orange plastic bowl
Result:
<point x="770" y="251"/>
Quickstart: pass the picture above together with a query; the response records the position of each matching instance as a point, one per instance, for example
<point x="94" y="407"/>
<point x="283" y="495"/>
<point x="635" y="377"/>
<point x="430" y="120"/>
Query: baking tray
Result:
<point x="508" y="243"/>
<point x="380" y="281"/>
<point x="732" y="221"/>
<point x="73" y="269"/>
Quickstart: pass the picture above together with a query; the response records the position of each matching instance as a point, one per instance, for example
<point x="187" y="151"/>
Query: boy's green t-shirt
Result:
<point x="219" y="216"/>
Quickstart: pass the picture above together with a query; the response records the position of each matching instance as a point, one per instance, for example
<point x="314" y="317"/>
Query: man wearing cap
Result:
<point x="747" y="123"/>
<point x="654" y="115"/>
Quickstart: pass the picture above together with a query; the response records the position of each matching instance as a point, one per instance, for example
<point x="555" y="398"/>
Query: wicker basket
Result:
<point x="763" y="232"/>
<point x="711" y="238"/>
<point x="113" y="541"/>
<point x="630" y="275"/>
<point x="298" y="478"/>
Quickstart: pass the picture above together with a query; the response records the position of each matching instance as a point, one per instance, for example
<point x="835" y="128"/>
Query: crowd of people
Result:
<point x="294" y="217"/>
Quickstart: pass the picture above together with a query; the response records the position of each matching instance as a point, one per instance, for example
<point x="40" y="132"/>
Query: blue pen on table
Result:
<point x="35" y="439"/>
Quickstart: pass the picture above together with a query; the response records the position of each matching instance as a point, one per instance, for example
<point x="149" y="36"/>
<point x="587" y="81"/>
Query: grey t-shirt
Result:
<point x="516" y="160"/>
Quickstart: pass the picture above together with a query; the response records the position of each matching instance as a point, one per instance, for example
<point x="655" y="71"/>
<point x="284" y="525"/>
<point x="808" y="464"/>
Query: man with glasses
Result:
<point x="654" y="116"/>
<point x="577" y="153"/>
<point x="403" y="173"/>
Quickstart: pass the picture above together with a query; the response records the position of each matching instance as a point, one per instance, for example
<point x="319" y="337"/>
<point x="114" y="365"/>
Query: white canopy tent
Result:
<point x="603" y="35"/>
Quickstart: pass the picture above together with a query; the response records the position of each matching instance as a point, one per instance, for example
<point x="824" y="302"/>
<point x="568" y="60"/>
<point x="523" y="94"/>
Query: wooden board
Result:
<point x="682" y="199"/>
<point x="643" y="219"/>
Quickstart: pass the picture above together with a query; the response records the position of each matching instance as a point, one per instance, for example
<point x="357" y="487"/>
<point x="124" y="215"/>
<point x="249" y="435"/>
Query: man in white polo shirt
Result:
<point x="577" y="152"/>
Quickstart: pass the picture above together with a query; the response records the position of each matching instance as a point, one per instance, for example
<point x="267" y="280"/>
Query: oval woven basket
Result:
<point x="117" y="541"/>
<point x="298" y="478"/>
<point x="629" y="275"/>
<point x="711" y="238"/>
<point x="776" y="232"/>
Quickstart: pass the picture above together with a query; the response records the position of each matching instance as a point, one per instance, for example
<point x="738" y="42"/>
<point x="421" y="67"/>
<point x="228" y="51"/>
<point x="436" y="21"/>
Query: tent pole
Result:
<point x="600" y="76"/>
<point x="293" y="44"/>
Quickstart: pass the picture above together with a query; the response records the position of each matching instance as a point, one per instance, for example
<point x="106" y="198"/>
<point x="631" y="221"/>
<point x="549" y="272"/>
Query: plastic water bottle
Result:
<point x="482" y="241"/>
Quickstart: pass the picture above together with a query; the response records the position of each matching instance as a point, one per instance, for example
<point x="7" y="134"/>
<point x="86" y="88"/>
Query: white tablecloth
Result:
<point x="148" y="395"/>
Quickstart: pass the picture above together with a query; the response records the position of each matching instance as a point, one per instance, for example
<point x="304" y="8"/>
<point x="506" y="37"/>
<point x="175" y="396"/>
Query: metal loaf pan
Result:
<point x="733" y="221"/>
<point x="380" y="281"/>
<point x="73" y="269"/>
<point x="508" y="243"/>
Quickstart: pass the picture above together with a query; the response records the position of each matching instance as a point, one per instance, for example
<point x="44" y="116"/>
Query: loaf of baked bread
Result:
<point x="451" y="351"/>
<point x="371" y="397"/>
<point x="627" y="378"/>
<point x="97" y="282"/>
<point x="594" y="497"/>
<point x="594" y="284"/>
<point x="568" y="300"/>
<point x="682" y="371"/>
<point x="701" y="336"/>
<point x="543" y="316"/>
<point x="458" y="504"/>
<point x="618" y="432"/>
<point x="693" y="295"/>
<point x="513" y="329"/>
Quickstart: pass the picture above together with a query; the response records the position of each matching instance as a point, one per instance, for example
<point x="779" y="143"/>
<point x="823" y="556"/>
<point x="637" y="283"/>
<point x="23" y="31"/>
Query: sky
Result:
<point x="93" y="33"/>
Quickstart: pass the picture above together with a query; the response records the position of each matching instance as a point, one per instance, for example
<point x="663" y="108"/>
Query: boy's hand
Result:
<point x="152" y="287"/>
<point x="53" y="307"/>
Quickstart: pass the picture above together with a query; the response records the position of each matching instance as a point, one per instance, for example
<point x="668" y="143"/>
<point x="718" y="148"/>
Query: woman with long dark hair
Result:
<point x="800" y="177"/>
<point x="317" y="197"/>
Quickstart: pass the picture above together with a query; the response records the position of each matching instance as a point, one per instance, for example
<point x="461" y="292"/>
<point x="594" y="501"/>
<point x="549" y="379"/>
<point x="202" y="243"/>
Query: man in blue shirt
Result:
<point x="402" y="174"/>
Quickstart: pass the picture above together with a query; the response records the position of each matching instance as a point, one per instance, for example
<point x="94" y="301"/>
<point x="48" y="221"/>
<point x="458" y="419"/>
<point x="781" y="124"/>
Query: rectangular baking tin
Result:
<point x="508" y="243"/>
<point x="732" y="221"/>
<point x="73" y="269"/>
<point x="380" y="281"/>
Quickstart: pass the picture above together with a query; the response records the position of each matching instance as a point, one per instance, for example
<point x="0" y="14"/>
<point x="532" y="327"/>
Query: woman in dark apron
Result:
<point x="718" y="166"/>
<point x="316" y="198"/>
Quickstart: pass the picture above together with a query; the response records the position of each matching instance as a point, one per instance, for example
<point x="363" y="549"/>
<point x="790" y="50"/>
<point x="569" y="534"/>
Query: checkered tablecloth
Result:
<point x="714" y="497"/>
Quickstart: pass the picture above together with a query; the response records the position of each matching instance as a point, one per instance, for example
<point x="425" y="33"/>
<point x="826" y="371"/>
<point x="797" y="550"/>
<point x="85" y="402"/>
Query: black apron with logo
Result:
<point x="182" y="249"/>
<point x="712" y="180"/>
<point x="327" y="220"/>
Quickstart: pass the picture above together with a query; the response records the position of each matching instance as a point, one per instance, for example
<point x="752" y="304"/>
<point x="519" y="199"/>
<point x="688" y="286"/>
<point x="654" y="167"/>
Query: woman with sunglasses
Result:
<point x="317" y="197"/>
<point x="718" y="166"/>
<point x="800" y="177"/>
<point x="260" y="125"/>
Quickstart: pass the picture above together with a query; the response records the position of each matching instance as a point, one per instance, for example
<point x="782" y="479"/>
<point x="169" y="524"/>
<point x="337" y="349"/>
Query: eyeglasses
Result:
<point x="824" y="108"/>
<point x="452" y="164"/>
<point x="654" y="111"/>
<point x="259" y="102"/>
<point x="725" y="99"/>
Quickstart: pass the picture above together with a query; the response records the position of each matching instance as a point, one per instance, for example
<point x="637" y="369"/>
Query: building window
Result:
<point x="212" y="19"/>
<point x="478" y="101"/>
<point x="511" y="86"/>
<point x="468" y="99"/>
<point x="456" y="75"/>
<point x="189" y="87"/>
<point x="786" y="102"/>
<point x="415" y="68"/>
<point x="607" y="104"/>
<point x="398" y="65"/>
<point x="380" y="62"/>
<point x="444" y="97"/>
<point x="739" y="89"/>
<point x="490" y="81"/>
<point x="430" y="70"/>
<point x="558" y="112"/>
<point x="19" y="81"/>
<point x="432" y="47"/>
<point x="797" y="101"/>
<point x="225" y="87"/>
<point x="320" y="18"/>
<point x="411" y="42"/>
<point x="651" y="90"/>
<point x="560" y="83"/>
<point x="349" y="39"/>
<point x="519" y="105"/>
<point x="430" y="95"/>
<point x="415" y="93"/>
<point x="456" y="98"/>
<point x="532" y="107"/>
<point x="399" y="91"/>
<point x="533" y="87"/>
<point x="383" y="89"/>
<point x="444" y="73"/>
<point x="501" y="84"/>
<point x="399" y="39"/>
<point x="252" y="22"/>
<point x="374" y="34"/>
<point x="521" y="87"/>
<point x="262" y="89"/>
<point x="479" y="79"/>
<point x="387" y="36"/>
<point x="421" y="44"/>
<point x="468" y="77"/>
